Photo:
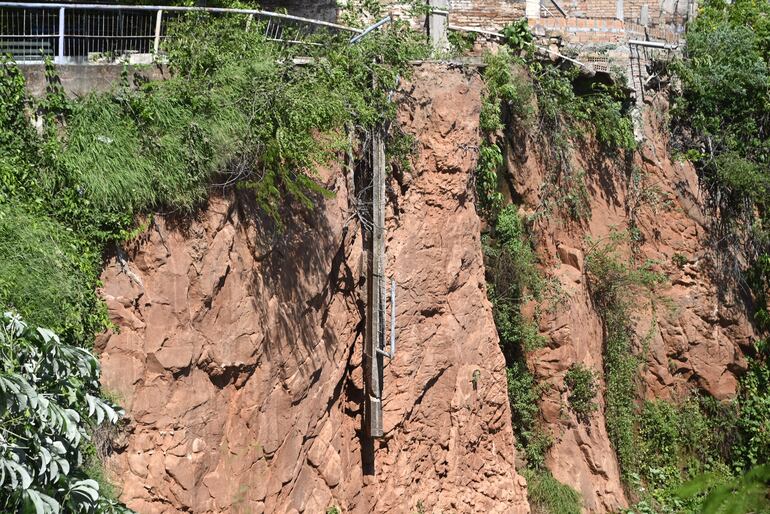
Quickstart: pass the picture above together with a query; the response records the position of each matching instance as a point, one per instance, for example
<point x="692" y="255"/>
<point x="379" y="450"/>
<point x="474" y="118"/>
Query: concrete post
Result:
<point x="644" y="15"/>
<point x="438" y="22"/>
<point x="158" y="24"/>
<point x="619" y="9"/>
<point x="375" y="305"/>
<point x="60" y="54"/>
<point x="532" y="9"/>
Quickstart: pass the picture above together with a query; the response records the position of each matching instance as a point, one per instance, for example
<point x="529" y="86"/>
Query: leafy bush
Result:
<point x="721" y="119"/>
<point x="512" y="278"/>
<point x="49" y="393"/>
<point x="582" y="384"/>
<point x="524" y="395"/>
<point x="747" y="493"/>
<point x="753" y="423"/>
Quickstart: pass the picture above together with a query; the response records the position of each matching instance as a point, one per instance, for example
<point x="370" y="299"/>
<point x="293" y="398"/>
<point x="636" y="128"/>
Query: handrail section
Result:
<point x="74" y="32"/>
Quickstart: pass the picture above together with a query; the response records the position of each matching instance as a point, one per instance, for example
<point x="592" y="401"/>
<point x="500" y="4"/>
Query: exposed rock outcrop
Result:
<point x="693" y="339"/>
<point x="238" y="354"/>
<point x="238" y="349"/>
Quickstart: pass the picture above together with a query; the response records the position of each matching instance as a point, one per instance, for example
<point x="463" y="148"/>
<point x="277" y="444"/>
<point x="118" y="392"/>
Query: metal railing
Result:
<point x="72" y="33"/>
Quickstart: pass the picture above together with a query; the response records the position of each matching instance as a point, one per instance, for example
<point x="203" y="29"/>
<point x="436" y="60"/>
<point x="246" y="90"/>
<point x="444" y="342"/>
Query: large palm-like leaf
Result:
<point x="49" y="395"/>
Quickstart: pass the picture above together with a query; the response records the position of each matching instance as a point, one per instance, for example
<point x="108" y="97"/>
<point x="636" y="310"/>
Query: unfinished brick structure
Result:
<point x="581" y="21"/>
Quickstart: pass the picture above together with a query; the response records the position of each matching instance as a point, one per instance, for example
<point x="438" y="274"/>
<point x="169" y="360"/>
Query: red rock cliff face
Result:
<point x="693" y="340"/>
<point x="238" y="355"/>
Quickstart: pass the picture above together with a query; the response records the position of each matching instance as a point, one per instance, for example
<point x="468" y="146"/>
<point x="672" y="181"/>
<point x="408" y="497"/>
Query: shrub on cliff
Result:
<point x="722" y="122"/>
<point x="581" y="382"/>
<point x="49" y="403"/>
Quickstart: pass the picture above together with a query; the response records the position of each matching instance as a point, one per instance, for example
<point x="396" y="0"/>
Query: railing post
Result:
<point x="532" y="9"/>
<point x="158" y="22"/>
<point x="438" y="22"/>
<point x="60" y="55"/>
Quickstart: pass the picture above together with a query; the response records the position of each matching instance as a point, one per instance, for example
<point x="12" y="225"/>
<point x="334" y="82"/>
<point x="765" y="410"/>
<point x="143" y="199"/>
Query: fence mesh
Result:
<point x="31" y="32"/>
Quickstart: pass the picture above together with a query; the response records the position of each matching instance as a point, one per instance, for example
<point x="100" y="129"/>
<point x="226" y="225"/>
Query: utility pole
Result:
<point x="375" y="305"/>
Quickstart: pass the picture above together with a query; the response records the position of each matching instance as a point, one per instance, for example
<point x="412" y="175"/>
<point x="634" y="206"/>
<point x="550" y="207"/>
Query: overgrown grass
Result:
<point x="549" y="496"/>
<point x="42" y="275"/>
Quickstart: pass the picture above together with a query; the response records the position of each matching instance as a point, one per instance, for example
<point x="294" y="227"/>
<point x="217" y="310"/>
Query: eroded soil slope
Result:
<point x="238" y="354"/>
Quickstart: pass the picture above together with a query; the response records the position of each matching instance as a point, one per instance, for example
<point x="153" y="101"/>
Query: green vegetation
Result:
<point x="512" y="279"/>
<point x="616" y="284"/>
<point x="747" y="493"/>
<point x="674" y="456"/>
<point x="508" y="94"/>
<point x="236" y="112"/>
<point x="532" y="438"/>
<point x="549" y="496"/>
<point x="752" y="446"/>
<point x="722" y="123"/>
<point x="581" y="381"/>
<point x="539" y="100"/>
<point x="49" y="392"/>
<point x="527" y="98"/>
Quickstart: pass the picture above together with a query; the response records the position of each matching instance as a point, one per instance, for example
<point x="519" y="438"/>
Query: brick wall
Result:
<point x="486" y="14"/>
<point x="659" y="12"/>
<point x="600" y="30"/>
<point x="588" y="20"/>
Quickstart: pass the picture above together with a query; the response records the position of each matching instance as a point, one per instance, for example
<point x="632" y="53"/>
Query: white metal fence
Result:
<point x="71" y="33"/>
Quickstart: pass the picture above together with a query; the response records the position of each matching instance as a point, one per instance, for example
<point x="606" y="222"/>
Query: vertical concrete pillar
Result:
<point x="644" y="15"/>
<point x="619" y="9"/>
<point x="438" y="24"/>
<point x="532" y="9"/>
<point x="59" y="59"/>
<point x="375" y="308"/>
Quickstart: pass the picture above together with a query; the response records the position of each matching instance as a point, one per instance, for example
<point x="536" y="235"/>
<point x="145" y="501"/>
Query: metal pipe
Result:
<point x="652" y="44"/>
<point x="109" y="7"/>
<point x="356" y="39"/>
